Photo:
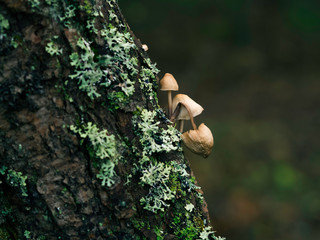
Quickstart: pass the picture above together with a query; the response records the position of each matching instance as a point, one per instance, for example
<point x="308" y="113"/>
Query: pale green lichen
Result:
<point x="4" y="26"/>
<point x="69" y="13"/>
<point x="153" y="138"/>
<point x="107" y="174"/>
<point x="157" y="176"/>
<point x="162" y="177"/>
<point x="27" y="234"/>
<point x="104" y="148"/>
<point x="147" y="79"/>
<point x="34" y="3"/>
<point x="207" y="231"/>
<point x="94" y="71"/>
<point x="189" y="207"/>
<point x="103" y="144"/>
<point x="53" y="49"/>
<point x="88" y="71"/>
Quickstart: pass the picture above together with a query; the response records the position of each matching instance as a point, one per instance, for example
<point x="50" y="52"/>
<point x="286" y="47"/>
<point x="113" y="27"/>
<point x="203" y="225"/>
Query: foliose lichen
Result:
<point x="157" y="177"/>
<point x="53" y="49"/>
<point x="104" y="148"/>
<point x="153" y="138"/>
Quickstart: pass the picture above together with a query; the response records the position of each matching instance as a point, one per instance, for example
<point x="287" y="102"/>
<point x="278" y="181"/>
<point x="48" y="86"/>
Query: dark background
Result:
<point x="255" y="68"/>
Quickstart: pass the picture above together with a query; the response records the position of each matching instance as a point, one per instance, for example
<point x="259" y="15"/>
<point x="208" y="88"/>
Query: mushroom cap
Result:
<point x="145" y="47"/>
<point x="199" y="141"/>
<point x="194" y="107"/>
<point x="168" y="83"/>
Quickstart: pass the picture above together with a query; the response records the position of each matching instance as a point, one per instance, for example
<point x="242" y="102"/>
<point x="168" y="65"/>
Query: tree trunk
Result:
<point x="85" y="150"/>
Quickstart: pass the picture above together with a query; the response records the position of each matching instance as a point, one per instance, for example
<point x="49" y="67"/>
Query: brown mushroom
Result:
<point x="168" y="83"/>
<point x="184" y="114"/>
<point x="199" y="141"/>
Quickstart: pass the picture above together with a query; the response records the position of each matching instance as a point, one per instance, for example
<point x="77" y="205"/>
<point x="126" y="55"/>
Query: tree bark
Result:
<point x="85" y="150"/>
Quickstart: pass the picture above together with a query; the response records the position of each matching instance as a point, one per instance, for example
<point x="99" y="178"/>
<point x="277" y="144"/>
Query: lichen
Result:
<point x="34" y="3"/>
<point x="4" y="26"/>
<point x="88" y="71"/>
<point x="156" y="176"/>
<point x="189" y="207"/>
<point x="104" y="148"/>
<point x="52" y="48"/>
<point x="95" y="71"/>
<point x="207" y="231"/>
<point x="27" y="234"/>
<point x="153" y="138"/>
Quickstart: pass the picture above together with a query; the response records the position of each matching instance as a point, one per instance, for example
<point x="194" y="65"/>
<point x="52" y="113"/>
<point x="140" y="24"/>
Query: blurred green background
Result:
<point x="255" y="68"/>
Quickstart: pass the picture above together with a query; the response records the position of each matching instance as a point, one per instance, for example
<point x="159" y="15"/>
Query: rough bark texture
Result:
<point x="85" y="150"/>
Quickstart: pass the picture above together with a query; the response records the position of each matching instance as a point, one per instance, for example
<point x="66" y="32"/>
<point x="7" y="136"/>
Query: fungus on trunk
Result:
<point x="194" y="108"/>
<point x="199" y="140"/>
<point x="168" y="83"/>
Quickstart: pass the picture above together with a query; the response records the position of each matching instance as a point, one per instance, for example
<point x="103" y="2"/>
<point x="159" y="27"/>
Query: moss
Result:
<point x="15" y="179"/>
<point x="182" y="224"/>
<point x="87" y="7"/>
<point x="139" y="223"/>
<point x="117" y="100"/>
<point x="159" y="233"/>
<point x="4" y="234"/>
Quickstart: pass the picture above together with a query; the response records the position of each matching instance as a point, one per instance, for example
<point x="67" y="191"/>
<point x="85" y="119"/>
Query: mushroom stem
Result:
<point x="190" y="115"/>
<point x="181" y="125"/>
<point x="169" y="104"/>
<point x="176" y="113"/>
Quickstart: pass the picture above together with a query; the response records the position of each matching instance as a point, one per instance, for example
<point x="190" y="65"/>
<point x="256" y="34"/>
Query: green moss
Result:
<point x="4" y="234"/>
<point x="87" y="7"/>
<point x="139" y="223"/>
<point x="118" y="99"/>
<point x="15" y="179"/>
<point x="159" y="233"/>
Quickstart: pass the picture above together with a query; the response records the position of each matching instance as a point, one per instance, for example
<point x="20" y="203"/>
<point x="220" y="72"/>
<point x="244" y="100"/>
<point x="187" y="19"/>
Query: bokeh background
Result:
<point x="255" y="68"/>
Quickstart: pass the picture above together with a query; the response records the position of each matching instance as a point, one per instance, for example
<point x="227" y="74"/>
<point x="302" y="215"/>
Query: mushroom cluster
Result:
<point x="182" y="107"/>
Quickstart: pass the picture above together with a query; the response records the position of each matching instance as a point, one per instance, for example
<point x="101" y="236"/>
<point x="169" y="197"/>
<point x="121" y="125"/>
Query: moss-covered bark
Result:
<point x="85" y="150"/>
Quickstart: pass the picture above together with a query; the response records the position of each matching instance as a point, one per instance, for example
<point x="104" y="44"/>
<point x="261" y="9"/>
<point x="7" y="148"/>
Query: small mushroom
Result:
<point x="184" y="114"/>
<point x="168" y="83"/>
<point x="145" y="47"/>
<point x="199" y="141"/>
